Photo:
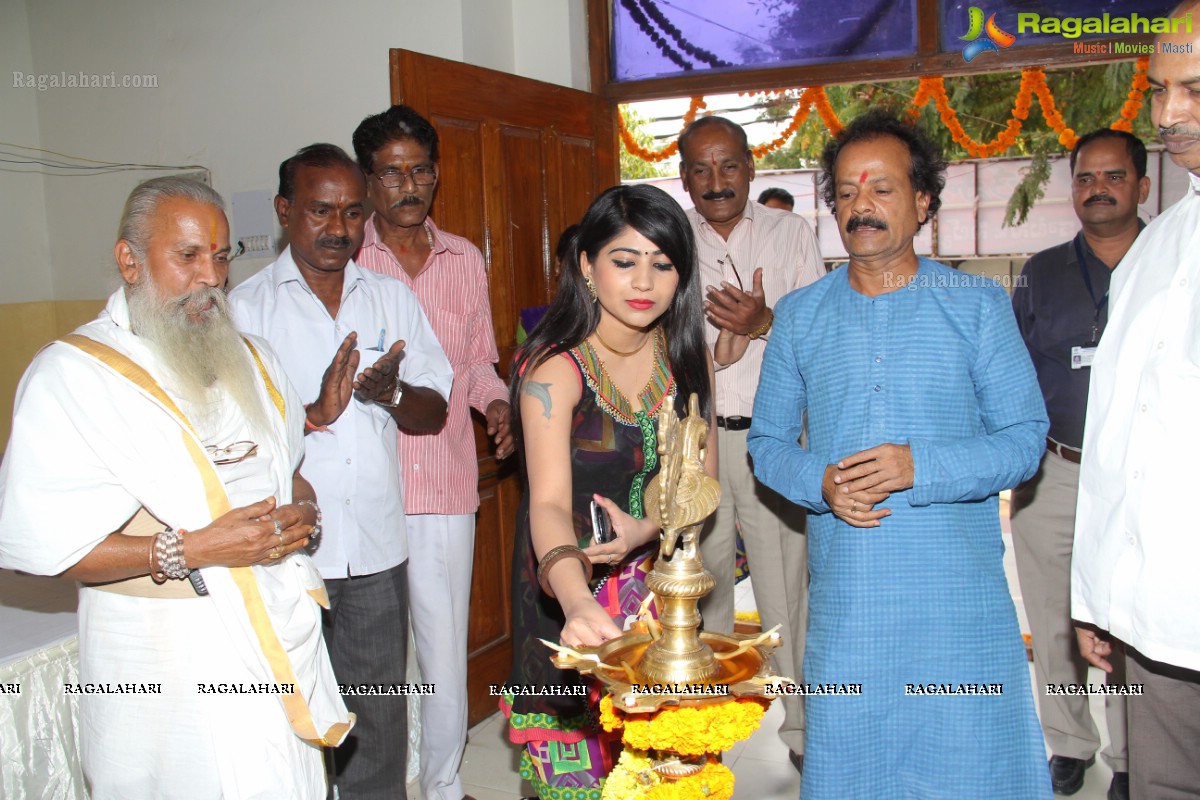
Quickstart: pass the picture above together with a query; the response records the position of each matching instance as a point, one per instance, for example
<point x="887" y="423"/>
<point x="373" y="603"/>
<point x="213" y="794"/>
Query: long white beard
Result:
<point x="205" y="355"/>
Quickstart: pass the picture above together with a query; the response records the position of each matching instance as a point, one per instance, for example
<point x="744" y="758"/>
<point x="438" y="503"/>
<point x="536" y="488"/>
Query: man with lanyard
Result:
<point x="1061" y="303"/>
<point x="155" y="458"/>
<point x="314" y="301"/>
<point x="750" y="256"/>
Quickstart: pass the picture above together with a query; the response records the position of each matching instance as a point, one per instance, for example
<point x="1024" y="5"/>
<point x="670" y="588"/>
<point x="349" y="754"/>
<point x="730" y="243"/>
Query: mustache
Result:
<point x="336" y="242"/>
<point x="724" y="194"/>
<point x="1180" y="130"/>
<point x="407" y="200"/>
<point x="1099" y="198"/>
<point x="197" y="301"/>
<point x="857" y="222"/>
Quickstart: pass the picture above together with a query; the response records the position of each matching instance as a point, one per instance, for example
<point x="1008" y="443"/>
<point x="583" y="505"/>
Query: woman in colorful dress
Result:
<point x="623" y="338"/>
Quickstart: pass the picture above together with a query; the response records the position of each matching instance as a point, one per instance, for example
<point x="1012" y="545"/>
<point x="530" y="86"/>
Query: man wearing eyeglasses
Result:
<point x="326" y="317"/>
<point x="398" y="152"/>
<point x="750" y="256"/>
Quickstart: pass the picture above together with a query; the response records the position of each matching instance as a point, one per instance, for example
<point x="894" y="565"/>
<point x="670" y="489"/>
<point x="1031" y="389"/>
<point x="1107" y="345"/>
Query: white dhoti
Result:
<point x="208" y="735"/>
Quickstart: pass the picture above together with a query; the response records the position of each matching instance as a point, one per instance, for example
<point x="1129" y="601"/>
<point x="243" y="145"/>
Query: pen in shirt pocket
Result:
<point x="379" y="346"/>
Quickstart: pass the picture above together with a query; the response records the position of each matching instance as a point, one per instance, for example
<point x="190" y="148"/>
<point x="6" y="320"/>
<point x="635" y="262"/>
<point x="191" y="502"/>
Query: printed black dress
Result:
<point x="613" y="453"/>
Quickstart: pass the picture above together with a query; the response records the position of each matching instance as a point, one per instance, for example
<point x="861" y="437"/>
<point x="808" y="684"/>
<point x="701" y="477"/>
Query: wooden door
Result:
<point x="520" y="161"/>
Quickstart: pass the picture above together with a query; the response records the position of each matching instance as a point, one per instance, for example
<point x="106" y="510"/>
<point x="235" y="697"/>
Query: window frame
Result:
<point x="928" y="60"/>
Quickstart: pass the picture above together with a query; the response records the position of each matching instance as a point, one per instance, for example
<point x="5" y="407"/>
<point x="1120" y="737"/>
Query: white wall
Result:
<point x="240" y="86"/>
<point x="488" y="40"/>
<point x="24" y="257"/>
<point x="550" y="41"/>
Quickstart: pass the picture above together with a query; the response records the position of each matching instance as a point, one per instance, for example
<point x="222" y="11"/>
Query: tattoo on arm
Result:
<point x="540" y="391"/>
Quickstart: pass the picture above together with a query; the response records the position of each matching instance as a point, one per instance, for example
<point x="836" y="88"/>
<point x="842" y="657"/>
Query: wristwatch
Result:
<point x="397" y="393"/>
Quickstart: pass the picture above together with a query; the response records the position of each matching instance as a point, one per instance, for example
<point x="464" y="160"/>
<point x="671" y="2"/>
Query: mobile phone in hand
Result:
<point x="602" y="531"/>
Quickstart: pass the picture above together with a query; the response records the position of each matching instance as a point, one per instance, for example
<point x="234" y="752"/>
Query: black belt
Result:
<point x="1064" y="451"/>
<point x="733" y="423"/>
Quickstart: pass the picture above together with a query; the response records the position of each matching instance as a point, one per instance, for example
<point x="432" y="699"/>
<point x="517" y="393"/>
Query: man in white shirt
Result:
<point x="312" y="302"/>
<point x="750" y="256"/>
<point x="1133" y="575"/>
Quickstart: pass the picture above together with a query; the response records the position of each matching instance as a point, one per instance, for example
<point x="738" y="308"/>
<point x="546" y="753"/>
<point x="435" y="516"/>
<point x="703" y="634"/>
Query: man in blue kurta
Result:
<point x="921" y="405"/>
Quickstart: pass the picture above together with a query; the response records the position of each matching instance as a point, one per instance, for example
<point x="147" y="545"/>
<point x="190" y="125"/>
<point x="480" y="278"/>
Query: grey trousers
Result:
<point x="1043" y="524"/>
<point x="1164" y="731"/>
<point x="366" y="631"/>
<point x="777" y="552"/>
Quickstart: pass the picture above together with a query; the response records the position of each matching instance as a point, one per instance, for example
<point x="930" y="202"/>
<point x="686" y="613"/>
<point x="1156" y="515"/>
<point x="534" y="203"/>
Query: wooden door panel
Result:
<point x="520" y="160"/>
<point x="458" y="198"/>
<point x="489" y="623"/>
<point x="524" y="170"/>
<point x="577" y="172"/>
<point x="489" y="639"/>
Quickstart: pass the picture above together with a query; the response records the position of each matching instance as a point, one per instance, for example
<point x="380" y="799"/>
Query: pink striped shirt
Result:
<point x="441" y="471"/>
<point x="784" y="246"/>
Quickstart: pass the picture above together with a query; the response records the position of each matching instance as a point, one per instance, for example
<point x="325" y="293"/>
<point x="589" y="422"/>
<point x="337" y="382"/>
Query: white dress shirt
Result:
<point x="780" y="242"/>
<point x="354" y="465"/>
<point x="1137" y="539"/>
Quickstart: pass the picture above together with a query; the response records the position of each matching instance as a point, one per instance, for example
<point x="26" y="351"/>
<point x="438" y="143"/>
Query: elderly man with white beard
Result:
<point x="155" y="459"/>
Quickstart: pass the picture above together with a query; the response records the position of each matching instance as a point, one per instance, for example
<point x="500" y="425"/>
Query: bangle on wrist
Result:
<point x="155" y="574"/>
<point x="556" y="555"/>
<point x="316" y="528"/>
<point x="308" y="425"/>
<point x="168" y="558"/>
<point x="761" y="330"/>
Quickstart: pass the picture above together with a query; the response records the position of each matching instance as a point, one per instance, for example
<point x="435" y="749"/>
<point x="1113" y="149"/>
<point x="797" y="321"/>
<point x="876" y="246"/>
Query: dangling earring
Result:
<point x="592" y="289"/>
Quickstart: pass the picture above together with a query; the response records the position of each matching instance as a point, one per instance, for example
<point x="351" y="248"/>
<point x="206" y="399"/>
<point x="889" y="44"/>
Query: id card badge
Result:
<point x="1082" y="356"/>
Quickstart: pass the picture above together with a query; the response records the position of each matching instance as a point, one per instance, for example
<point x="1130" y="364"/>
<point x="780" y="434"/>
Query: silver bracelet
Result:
<point x="397" y="393"/>
<point x="316" y="528"/>
<point x="168" y="554"/>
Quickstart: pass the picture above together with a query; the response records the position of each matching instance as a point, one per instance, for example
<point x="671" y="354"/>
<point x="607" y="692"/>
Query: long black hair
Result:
<point x="573" y="315"/>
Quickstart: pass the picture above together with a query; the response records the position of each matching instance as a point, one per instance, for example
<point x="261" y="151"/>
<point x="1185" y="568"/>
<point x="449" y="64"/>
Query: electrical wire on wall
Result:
<point x="21" y="158"/>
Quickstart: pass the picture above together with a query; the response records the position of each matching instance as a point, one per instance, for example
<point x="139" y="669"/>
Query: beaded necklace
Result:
<point x="609" y="397"/>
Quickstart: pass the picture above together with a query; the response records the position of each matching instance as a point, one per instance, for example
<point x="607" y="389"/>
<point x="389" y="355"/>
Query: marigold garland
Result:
<point x="1054" y="119"/>
<point x="807" y="99"/>
<point x="690" y="731"/>
<point x="935" y="87"/>
<point x="1133" y="103"/>
<point x="632" y="778"/>
<point x="832" y="123"/>
<point x="695" y="107"/>
<point x="930" y="87"/>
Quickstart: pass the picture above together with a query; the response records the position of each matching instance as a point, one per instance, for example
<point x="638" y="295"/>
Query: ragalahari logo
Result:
<point x="994" y="37"/>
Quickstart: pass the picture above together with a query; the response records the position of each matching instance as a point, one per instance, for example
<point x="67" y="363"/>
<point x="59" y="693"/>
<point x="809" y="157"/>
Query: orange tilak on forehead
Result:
<point x="212" y="239"/>
<point x="862" y="178"/>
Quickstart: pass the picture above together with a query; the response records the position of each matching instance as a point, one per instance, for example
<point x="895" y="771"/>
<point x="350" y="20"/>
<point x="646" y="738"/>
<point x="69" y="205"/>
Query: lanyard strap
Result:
<point x="1087" y="279"/>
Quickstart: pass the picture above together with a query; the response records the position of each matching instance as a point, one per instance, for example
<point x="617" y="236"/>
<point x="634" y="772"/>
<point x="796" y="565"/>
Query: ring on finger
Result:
<point x="275" y="553"/>
<point x="854" y="506"/>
